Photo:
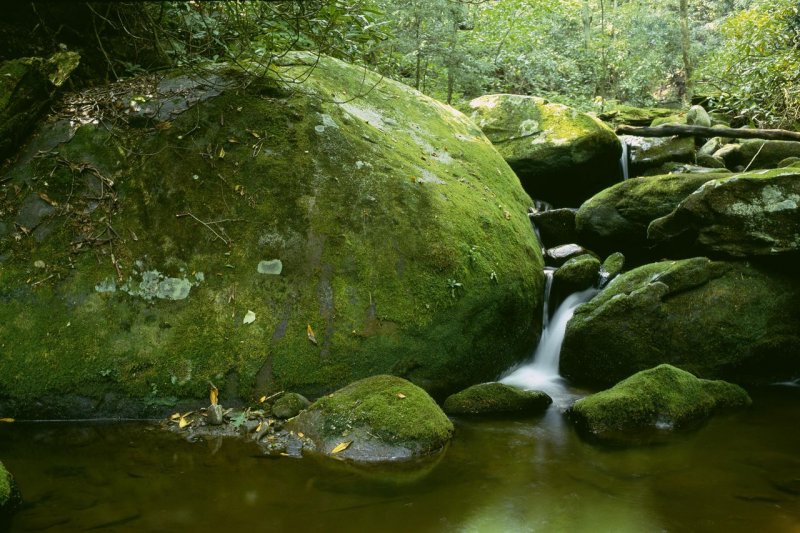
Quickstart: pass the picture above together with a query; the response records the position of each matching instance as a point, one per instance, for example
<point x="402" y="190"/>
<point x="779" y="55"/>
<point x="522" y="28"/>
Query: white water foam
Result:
<point x="541" y="373"/>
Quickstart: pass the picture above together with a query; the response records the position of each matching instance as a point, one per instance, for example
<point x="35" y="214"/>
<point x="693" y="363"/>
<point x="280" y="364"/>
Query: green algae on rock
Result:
<point x="496" y="398"/>
<point x="577" y="274"/>
<point x="720" y="320"/>
<point x="373" y="219"/>
<point x="560" y="154"/>
<point x="380" y="418"/>
<point x="653" y="401"/>
<point x="10" y="497"/>
<point x="755" y="213"/>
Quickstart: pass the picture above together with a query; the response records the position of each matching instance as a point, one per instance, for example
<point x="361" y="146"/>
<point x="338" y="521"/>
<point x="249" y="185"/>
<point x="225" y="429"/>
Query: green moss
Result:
<point x="577" y="274"/>
<point x="715" y="319"/>
<point x="492" y="398"/>
<point x="289" y="405"/>
<point x="10" y="497"/>
<point x="5" y="486"/>
<point x="663" y="397"/>
<point x="546" y="143"/>
<point x="617" y="218"/>
<point x="367" y="237"/>
<point x="381" y="416"/>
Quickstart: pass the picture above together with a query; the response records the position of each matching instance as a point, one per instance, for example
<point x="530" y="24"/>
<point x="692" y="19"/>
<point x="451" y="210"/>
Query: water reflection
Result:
<point x="740" y="472"/>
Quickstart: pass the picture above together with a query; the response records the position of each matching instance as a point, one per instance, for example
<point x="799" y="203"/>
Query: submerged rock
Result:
<point x="756" y="213"/>
<point x="496" y="398"/>
<point x="302" y="237"/>
<point x="10" y="497"/>
<point x="653" y="401"/>
<point x="381" y="418"/>
<point x="560" y="154"/>
<point x="617" y="218"/>
<point x="721" y="320"/>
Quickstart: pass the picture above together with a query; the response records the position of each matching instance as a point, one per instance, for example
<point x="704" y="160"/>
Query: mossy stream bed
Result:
<point x="740" y="472"/>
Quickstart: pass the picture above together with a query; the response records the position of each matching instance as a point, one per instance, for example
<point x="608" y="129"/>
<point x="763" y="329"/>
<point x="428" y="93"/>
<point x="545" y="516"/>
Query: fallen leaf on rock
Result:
<point x="249" y="317"/>
<point x="262" y="399"/>
<point x="214" y="394"/>
<point x="342" y="446"/>
<point x="175" y="416"/>
<point x="401" y="395"/>
<point x="311" y="336"/>
<point x="182" y="423"/>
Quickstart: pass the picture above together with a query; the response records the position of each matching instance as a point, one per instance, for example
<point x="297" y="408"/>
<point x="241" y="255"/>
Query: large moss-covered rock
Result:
<point x="720" y="320"/>
<point x="496" y="398"/>
<point x="577" y="274"/>
<point x="264" y="236"/>
<point x="10" y="497"/>
<point x="757" y="213"/>
<point x="560" y="154"/>
<point x="27" y="86"/>
<point x="380" y="418"/>
<point x="617" y="218"/>
<point x="653" y="401"/>
<point x="650" y="152"/>
<point x="757" y="153"/>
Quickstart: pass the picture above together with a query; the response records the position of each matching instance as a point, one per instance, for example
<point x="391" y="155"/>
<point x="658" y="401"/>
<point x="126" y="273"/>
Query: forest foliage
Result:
<point x="741" y="56"/>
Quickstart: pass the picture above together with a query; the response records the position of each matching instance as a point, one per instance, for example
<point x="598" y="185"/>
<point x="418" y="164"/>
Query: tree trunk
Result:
<point x="686" y="44"/>
<point x="668" y="130"/>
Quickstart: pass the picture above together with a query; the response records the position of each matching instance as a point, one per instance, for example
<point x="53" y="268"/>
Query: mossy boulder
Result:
<point x="290" y="405"/>
<point x="27" y="86"/>
<point x="576" y="274"/>
<point x="635" y="116"/>
<point x="756" y="213"/>
<point x="757" y="153"/>
<point x="265" y="235"/>
<point x="556" y="257"/>
<point x="380" y="418"/>
<point x="658" y="400"/>
<point x="617" y="218"/>
<point x="698" y="116"/>
<point x="651" y="152"/>
<point x="718" y="320"/>
<point x="561" y="155"/>
<point x="556" y="226"/>
<point x="496" y="398"/>
<point x="612" y="266"/>
<point x="10" y="497"/>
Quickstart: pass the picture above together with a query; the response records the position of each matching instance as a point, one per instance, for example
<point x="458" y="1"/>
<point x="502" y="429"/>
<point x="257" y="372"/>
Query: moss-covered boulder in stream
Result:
<point x="720" y="320"/>
<point x="560" y="154"/>
<point x="757" y="153"/>
<point x="496" y="398"/>
<point x="617" y="218"/>
<point x="380" y="418"/>
<point x="653" y="402"/>
<point x="10" y="497"/>
<point x="756" y="213"/>
<point x="651" y="152"/>
<point x="264" y="235"/>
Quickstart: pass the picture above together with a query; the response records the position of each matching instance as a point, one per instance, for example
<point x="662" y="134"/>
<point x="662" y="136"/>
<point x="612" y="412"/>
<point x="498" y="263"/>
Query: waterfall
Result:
<point x="624" y="160"/>
<point x="548" y="285"/>
<point x="541" y="373"/>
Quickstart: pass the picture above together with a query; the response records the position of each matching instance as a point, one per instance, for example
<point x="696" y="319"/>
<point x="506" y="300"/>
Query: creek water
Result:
<point x="624" y="160"/>
<point x="740" y="472"/>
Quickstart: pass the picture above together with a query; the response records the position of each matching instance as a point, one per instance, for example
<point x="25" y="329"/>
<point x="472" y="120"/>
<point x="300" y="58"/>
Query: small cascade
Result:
<point x="624" y="160"/>
<point x="541" y="373"/>
<point x="548" y="285"/>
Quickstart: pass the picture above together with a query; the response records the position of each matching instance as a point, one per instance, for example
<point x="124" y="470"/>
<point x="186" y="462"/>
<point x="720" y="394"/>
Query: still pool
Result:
<point x="739" y="472"/>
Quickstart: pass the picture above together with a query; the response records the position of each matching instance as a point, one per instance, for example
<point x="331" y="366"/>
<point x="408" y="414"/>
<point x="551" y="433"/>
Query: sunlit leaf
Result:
<point x="311" y="336"/>
<point x="262" y="399"/>
<point x="258" y="427"/>
<point x="301" y="434"/>
<point x="214" y="395"/>
<point x="182" y="423"/>
<point x="6" y="420"/>
<point x="175" y="416"/>
<point x="342" y="446"/>
<point x="249" y="317"/>
<point x="221" y="153"/>
<point x="401" y="395"/>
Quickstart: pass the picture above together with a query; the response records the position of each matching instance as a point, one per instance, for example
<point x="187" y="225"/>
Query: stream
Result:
<point x="740" y="472"/>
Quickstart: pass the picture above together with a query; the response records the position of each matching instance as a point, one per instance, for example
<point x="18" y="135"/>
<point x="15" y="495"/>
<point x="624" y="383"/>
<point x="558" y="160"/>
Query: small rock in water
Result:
<point x="215" y="417"/>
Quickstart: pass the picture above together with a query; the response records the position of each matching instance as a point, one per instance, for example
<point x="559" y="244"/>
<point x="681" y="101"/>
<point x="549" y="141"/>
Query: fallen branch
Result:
<point x="668" y="130"/>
